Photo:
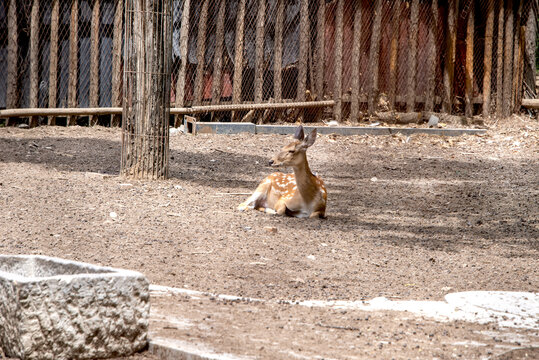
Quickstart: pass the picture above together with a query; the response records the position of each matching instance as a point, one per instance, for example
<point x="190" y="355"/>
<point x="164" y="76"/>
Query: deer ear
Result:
<point x="299" y="135"/>
<point x="310" y="139"/>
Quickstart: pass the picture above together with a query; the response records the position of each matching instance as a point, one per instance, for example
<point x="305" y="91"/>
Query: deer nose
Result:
<point x="271" y="162"/>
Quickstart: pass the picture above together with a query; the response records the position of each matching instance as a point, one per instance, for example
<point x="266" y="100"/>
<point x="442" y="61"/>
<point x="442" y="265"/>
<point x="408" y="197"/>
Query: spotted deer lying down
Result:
<point x="300" y="194"/>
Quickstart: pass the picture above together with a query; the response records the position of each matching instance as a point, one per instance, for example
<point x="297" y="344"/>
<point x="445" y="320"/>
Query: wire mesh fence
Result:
<point x="457" y="57"/>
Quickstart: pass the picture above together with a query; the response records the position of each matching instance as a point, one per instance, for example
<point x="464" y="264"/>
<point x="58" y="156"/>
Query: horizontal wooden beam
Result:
<point x="530" y="103"/>
<point x="25" y="112"/>
<point x="247" y="107"/>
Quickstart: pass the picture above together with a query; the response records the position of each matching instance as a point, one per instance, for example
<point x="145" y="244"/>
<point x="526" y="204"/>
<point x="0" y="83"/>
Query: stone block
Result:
<point x="52" y="308"/>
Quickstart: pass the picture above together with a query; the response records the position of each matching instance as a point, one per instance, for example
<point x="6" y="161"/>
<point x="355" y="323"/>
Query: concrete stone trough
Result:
<point x="52" y="308"/>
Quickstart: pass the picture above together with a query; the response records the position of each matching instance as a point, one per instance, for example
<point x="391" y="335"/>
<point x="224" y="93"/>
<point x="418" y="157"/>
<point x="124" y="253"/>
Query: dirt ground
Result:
<point x="408" y="218"/>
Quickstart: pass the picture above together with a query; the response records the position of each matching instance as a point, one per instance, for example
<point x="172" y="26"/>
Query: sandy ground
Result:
<point x="408" y="218"/>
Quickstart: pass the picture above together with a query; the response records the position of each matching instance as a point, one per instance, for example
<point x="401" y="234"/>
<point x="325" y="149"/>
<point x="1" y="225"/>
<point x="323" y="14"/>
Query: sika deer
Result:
<point x="300" y="194"/>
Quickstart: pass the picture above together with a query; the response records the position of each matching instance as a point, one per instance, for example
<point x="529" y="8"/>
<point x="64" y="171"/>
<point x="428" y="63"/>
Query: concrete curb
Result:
<point x="171" y="349"/>
<point x="507" y="309"/>
<point x="236" y="128"/>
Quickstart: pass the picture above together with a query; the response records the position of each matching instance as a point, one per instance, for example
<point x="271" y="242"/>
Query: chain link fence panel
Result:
<point x="464" y="57"/>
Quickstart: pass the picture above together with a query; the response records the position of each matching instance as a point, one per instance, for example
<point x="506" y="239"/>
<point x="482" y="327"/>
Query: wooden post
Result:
<point x="412" y="56"/>
<point x="34" y="59"/>
<point x="304" y="38"/>
<point x="449" y="68"/>
<point x="94" y="61"/>
<point x="53" y="61"/>
<point x="117" y="61"/>
<point x="184" y="38"/>
<point x="468" y="98"/>
<point x="73" y="59"/>
<point x="530" y="47"/>
<point x="516" y="58"/>
<point x="218" y="60"/>
<point x="201" y="51"/>
<point x="259" y="51"/>
<point x="520" y="69"/>
<point x="337" y="89"/>
<point x="487" y="63"/>
<point x="12" y="97"/>
<point x="238" y="57"/>
<point x="499" y="68"/>
<point x="148" y="56"/>
<point x="356" y="49"/>
<point x="320" y="55"/>
<point x="278" y="51"/>
<point x="394" y="51"/>
<point x="374" y="56"/>
<point x="508" y="61"/>
<point x="433" y="58"/>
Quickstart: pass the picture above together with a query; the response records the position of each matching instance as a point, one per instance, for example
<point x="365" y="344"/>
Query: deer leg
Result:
<point x="318" y="214"/>
<point x="255" y="199"/>
<point x="280" y="207"/>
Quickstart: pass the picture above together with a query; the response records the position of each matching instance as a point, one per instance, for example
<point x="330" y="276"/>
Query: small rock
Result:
<point x="270" y="229"/>
<point x="24" y="126"/>
<point x="333" y="123"/>
<point x="433" y="121"/>
<point x="311" y="257"/>
<point x="446" y="288"/>
<point x="178" y="187"/>
<point x="113" y="215"/>
<point x="374" y="179"/>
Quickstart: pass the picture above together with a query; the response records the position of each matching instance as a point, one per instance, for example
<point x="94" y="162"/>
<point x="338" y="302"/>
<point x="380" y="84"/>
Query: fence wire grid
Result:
<point x="403" y="55"/>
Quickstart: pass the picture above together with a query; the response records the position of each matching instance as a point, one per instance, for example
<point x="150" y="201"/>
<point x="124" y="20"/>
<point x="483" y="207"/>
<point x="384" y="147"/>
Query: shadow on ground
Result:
<point x="446" y="203"/>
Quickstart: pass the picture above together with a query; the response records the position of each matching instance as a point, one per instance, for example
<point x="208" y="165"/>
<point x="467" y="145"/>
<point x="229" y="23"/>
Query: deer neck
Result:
<point x="305" y="179"/>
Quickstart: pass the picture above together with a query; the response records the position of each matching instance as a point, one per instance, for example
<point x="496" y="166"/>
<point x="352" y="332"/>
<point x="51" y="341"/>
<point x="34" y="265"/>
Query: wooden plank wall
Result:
<point x="343" y="54"/>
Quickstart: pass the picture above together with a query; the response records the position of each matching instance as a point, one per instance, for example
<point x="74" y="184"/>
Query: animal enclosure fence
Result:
<point x="256" y="60"/>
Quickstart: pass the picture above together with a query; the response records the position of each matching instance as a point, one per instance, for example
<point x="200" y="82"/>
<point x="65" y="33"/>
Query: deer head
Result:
<point x="293" y="154"/>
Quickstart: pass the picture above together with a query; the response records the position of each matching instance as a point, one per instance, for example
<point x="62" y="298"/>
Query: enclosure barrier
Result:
<point x="458" y="57"/>
<point x="28" y="112"/>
